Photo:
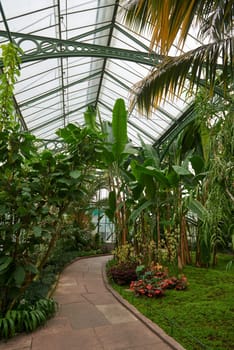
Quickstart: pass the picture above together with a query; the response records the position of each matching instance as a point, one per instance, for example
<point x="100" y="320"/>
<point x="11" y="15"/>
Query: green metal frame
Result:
<point x="44" y="47"/>
<point x="108" y="45"/>
<point x="169" y="136"/>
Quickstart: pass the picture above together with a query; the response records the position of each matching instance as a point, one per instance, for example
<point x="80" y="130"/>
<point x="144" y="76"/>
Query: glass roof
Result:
<point x="79" y="53"/>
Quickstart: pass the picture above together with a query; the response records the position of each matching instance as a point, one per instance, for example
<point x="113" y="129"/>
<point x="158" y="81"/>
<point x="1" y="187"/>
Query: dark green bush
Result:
<point x="123" y="273"/>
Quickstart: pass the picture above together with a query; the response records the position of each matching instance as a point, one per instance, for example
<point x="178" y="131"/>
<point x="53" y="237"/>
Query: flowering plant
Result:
<point x="155" y="281"/>
<point x="141" y="287"/>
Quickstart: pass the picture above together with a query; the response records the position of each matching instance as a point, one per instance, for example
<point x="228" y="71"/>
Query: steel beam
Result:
<point x="42" y="48"/>
<point x="169" y="135"/>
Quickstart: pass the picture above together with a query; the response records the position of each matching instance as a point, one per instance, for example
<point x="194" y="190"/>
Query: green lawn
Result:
<point x="202" y="317"/>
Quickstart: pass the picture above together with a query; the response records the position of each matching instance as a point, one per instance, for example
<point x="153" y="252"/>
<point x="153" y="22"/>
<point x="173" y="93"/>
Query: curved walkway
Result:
<point x="91" y="318"/>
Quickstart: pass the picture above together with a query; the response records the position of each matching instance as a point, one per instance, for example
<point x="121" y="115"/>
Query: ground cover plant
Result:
<point x="201" y="317"/>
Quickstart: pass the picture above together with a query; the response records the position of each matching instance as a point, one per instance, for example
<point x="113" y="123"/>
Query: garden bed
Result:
<point x="200" y="317"/>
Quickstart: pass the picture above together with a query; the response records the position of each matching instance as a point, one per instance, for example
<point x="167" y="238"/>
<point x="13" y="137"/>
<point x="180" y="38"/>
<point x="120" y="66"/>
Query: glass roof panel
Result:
<point x="54" y="90"/>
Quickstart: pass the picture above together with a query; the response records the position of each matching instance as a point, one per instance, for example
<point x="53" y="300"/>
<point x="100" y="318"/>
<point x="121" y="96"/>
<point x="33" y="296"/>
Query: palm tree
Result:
<point x="171" y="20"/>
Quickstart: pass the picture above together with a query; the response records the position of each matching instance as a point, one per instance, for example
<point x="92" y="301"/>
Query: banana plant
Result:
<point x="115" y="155"/>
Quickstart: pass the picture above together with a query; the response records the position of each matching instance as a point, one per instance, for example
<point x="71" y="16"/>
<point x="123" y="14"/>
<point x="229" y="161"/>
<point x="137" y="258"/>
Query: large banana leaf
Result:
<point x="90" y="117"/>
<point x="180" y="170"/>
<point x="139" y="210"/>
<point x="197" y="164"/>
<point x="110" y="212"/>
<point x="150" y="154"/>
<point x="197" y="208"/>
<point x="157" y="174"/>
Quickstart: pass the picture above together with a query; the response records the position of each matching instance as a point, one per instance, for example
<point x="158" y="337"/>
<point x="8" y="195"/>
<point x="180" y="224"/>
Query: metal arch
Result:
<point x="42" y="48"/>
<point x="114" y="14"/>
<point x="169" y="136"/>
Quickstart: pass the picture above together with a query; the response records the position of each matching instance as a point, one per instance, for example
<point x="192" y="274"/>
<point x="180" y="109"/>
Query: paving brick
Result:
<point x="120" y="336"/>
<point x="20" y="342"/>
<point x="84" y="339"/>
<point x="83" y="315"/>
<point x="116" y="313"/>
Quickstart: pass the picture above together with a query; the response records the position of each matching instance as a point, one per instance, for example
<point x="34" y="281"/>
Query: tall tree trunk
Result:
<point x="183" y="248"/>
<point x="185" y="253"/>
<point x="158" y="227"/>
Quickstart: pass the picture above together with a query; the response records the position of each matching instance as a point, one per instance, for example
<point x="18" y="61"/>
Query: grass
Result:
<point x="200" y="317"/>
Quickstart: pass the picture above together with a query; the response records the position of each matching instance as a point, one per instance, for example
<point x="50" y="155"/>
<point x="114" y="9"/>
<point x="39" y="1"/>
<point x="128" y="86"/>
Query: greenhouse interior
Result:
<point x="116" y="174"/>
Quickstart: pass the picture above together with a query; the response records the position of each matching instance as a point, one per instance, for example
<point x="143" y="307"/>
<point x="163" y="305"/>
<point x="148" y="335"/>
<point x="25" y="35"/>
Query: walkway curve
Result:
<point x="92" y="316"/>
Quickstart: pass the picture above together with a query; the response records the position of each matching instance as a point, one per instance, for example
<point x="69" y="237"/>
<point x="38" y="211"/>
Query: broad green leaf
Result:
<point x="75" y="174"/>
<point x="19" y="275"/>
<point x="205" y="140"/>
<point x="197" y="208"/>
<point x="107" y="132"/>
<point x="5" y="262"/>
<point x="37" y="231"/>
<point x="136" y="189"/>
<point x="129" y="149"/>
<point x="119" y="127"/>
<point x="150" y="154"/>
<point x="110" y="212"/>
<point x="112" y="200"/>
<point x="181" y="170"/>
<point x="64" y="181"/>
<point x="90" y="117"/>
<point x="197" y="164"/>
<point x="21" y="211"/>
<point x="138" y="211"/>
<point x="47" y="155"/>
<point x="155" y="173"/>
<point x="173" y="177"/>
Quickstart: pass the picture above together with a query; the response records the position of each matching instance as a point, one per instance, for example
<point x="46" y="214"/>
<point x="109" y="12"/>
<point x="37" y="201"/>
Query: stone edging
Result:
<point x="151" y="325"/>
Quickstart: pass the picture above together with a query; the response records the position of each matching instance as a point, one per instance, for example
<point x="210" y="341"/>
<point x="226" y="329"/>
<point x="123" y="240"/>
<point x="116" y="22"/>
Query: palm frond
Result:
<point x="163" y="19"/>
<point x="168" y="19"/>
<point x="175" y="73"/>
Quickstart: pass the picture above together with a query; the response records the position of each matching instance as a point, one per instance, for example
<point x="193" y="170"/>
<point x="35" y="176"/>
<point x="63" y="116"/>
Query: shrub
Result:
<point x="123" y="273"/>
<point x="125" y="254"/>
